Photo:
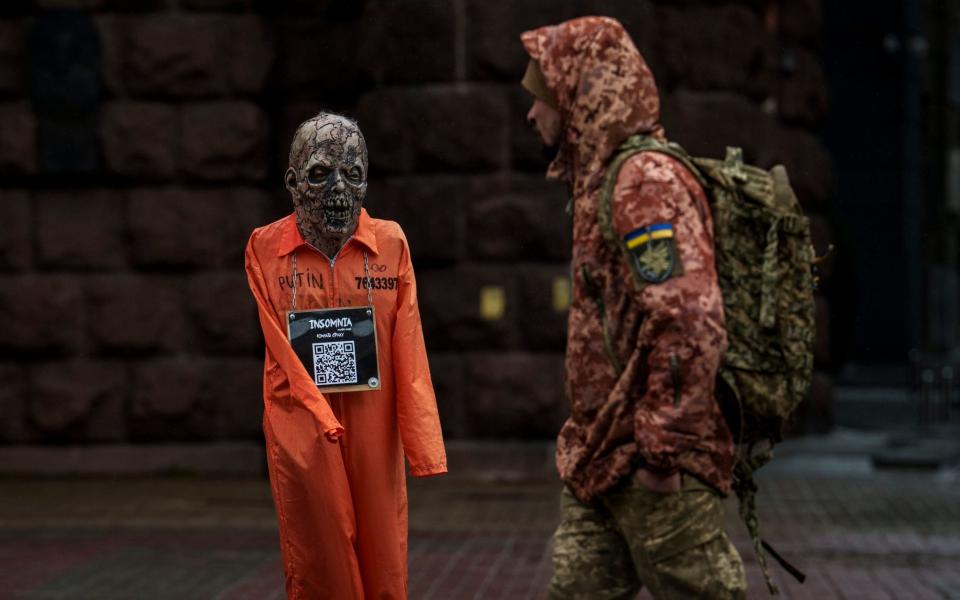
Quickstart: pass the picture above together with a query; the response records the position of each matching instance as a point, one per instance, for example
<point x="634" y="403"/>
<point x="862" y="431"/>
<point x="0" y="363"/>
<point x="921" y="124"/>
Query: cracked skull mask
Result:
<point x="327" y="178"/>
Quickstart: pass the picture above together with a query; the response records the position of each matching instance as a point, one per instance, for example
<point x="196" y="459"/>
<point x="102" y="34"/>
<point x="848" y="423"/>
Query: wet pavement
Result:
<point x="855" y="531"/>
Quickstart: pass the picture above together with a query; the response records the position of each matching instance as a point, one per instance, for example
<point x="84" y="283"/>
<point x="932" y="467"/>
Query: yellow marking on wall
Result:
<point x="493" y="302"/>
<point x="561" y="294"/>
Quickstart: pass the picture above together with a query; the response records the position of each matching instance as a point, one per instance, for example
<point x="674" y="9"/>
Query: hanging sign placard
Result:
<point x="337" y="346"/>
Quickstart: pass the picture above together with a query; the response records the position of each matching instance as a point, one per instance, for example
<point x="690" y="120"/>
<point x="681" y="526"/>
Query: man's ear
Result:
<point x="290" y="180"/>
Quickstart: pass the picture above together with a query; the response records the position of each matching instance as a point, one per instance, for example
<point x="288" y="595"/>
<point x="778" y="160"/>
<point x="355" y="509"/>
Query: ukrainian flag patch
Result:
<point x="653" y="253"/>
<point x="641" y="236"/>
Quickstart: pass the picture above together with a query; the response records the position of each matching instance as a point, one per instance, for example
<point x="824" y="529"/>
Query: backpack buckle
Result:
<point x="733" y="165"/>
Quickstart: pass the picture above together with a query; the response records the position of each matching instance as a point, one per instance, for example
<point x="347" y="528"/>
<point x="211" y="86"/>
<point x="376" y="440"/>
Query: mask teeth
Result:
<point x="339" y="203"/>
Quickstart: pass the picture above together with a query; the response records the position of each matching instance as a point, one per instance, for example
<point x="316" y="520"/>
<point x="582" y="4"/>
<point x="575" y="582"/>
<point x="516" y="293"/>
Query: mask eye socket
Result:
<point x="355" y="175"/>
<point x="317" y="174"/>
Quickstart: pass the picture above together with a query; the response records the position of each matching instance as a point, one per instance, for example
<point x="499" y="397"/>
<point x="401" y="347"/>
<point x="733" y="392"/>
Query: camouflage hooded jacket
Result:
<point x="657" y="409"/>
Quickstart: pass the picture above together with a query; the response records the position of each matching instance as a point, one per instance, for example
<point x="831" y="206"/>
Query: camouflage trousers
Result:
<point x="672" y="543"/>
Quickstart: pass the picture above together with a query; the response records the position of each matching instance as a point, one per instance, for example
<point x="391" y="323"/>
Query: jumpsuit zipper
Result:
<point x="333" y="291"/>
<point x="332" y="295"/>
<point x="333" y="301"/>
<point x="333" y="281"/>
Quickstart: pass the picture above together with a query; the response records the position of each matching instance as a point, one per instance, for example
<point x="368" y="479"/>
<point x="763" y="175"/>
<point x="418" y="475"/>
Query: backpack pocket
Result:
<point x="763" y="258"/>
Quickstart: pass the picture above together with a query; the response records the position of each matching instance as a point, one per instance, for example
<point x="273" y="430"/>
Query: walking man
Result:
<point x="646" y="455"/>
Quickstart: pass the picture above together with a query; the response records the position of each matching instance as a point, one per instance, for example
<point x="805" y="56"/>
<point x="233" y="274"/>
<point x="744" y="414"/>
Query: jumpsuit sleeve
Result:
<point x="302" y="388"/>
<point x="416" y="403"/>
<point x="683" y="338"/>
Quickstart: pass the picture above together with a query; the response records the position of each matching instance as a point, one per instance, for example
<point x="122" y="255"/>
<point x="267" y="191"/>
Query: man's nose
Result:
<point x="338" y="183"/>
<point x="531" y="118"/>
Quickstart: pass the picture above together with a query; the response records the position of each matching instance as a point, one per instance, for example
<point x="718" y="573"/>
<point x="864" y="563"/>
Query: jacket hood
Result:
<point x="604" y="89"/>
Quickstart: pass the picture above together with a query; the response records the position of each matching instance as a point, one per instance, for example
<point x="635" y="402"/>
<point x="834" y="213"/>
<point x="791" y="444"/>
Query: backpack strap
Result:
<point x="634" y="145"/>
<point x="746" y="490"/>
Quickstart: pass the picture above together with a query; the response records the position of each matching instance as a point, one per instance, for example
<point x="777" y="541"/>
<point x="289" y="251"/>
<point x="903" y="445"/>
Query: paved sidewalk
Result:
<point x="856" y="533"/>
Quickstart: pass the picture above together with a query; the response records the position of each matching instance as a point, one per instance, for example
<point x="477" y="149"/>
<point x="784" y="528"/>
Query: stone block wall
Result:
<point x="140" y="142"/>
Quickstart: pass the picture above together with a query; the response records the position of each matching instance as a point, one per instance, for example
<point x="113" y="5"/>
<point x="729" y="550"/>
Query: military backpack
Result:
<point x="764" y="261"/>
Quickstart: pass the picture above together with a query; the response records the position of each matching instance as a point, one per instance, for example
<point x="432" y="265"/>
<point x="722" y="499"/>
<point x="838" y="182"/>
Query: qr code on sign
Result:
<point x="334" y="363"/>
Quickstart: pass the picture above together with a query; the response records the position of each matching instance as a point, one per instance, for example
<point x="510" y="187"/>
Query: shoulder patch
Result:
<point x="652" y="252"/>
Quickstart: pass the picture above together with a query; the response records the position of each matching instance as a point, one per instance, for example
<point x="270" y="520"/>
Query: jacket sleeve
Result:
<point x="416" y="403"/>
<point x="683" y="338"/>
<point x="302" y="388"/>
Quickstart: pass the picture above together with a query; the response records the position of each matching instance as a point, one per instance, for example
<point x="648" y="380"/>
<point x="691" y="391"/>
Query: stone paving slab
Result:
<point x="214" y="459"/>
<point x="879" y="537"/>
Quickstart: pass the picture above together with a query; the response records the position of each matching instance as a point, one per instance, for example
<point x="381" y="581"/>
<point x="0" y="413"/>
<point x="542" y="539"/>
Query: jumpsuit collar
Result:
<point x="292" y="239"/>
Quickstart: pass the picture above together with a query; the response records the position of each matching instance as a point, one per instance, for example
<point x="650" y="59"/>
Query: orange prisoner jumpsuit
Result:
<point x="335" y="461"/>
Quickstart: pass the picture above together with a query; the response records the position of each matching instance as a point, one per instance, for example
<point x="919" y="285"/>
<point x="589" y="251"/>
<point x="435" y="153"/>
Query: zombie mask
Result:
<point x="327" y="179"/>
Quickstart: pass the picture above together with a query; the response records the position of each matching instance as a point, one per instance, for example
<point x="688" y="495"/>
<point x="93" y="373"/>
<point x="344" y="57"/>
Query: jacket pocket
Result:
<point x="593" y="289"/>
<point x="682" y="521"/>
<point x="675" y="379"/>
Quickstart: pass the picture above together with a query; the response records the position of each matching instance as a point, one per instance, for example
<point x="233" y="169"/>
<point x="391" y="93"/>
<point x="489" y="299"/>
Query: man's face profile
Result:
<point x="327" y="177"/>
<point x="546" y="121"/>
